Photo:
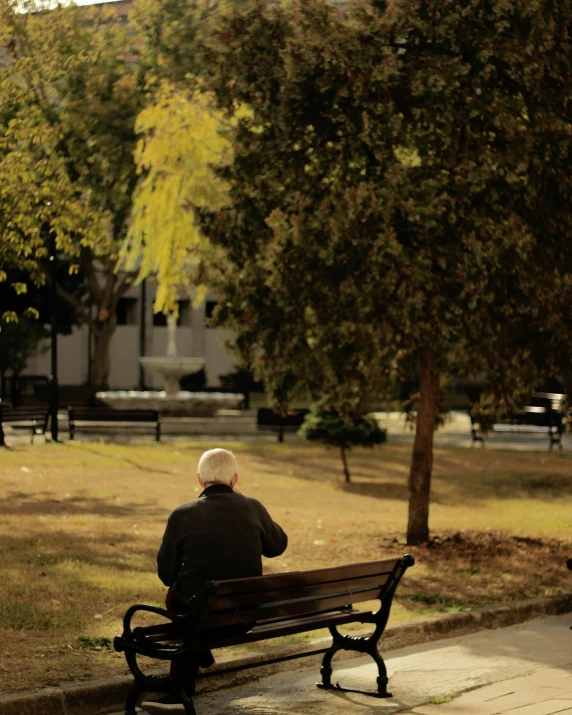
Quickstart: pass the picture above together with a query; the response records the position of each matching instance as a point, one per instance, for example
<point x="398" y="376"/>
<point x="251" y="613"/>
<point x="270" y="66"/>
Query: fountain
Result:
<point x="171" y="400"/>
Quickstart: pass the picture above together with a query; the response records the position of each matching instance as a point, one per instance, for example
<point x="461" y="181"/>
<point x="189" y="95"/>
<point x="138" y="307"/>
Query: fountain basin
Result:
<point x="172" y="368"/>
<point x="182" y="404"/>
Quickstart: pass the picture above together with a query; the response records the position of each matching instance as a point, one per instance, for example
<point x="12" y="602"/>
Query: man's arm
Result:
<point x="273" y="537"/>
<point x="168" y="561"/>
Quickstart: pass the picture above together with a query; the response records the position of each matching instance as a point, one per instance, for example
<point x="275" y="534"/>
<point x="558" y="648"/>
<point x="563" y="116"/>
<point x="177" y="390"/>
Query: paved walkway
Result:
<point x="521" y="670"/>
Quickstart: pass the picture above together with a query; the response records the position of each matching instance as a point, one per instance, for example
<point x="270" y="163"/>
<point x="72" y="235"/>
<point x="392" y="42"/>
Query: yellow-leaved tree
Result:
<point x="184" y="143"/>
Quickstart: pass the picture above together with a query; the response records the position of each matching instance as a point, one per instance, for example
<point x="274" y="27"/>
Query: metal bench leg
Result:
<point x="132" y="700"/>
<point x="188" y="704"/>
<point x="382" y="674"/>
<point x="326" y="669"/>
<point x="361" y="645"/>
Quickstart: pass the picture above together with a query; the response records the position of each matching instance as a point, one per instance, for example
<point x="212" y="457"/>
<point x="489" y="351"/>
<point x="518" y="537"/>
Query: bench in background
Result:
<point x="30" y="418"/>
<point x="90" y="419"/>
<point x="265" y="607"/>
<point x="540" y="415"/>
<point x="268" y="420"/>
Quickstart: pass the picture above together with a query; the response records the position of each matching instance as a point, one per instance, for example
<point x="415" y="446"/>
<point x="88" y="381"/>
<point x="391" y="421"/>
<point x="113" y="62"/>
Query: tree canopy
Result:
<point x="383" y="199"/>
<point x="184" y="140"/>
<point x="69" y="97"/>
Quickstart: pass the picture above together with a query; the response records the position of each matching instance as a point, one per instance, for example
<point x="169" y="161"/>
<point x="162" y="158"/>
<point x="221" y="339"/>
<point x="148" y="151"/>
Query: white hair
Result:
<point x="218" y="465"/>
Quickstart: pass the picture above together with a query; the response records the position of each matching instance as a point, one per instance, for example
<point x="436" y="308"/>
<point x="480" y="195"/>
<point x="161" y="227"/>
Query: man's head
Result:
<point x="218" y="466"/>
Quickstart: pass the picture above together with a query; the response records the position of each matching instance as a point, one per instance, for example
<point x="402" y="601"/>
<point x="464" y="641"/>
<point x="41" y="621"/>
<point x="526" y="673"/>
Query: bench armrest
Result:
<point x="136" y="638"/>
<point x="178" y="619"/>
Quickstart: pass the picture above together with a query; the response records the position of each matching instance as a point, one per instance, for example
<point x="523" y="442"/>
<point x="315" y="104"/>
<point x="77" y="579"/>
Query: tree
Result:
<point x="323" y="424"/>
<point x="184" y="140"/>
<point x="19" y="339"/>
<point x="377" y="219"/>
<point x="69" y="99"/>
<point x="381" y="200"/>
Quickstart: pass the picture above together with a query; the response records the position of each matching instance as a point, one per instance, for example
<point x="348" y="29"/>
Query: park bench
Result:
<point x="246" y="610"/>
<point x="96" y="418"/>
<point x="268" y="420"/>
<point x="31" y="418"/>
<point x="538" y="416"/>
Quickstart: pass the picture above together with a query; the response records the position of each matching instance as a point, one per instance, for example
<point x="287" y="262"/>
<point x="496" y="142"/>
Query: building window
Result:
<point x="185" y="313"/>
<point x="159" y="320"/>
<point x="210" y="305"/>
<point x="184" y="318"/>
<point x="127" y="311"/>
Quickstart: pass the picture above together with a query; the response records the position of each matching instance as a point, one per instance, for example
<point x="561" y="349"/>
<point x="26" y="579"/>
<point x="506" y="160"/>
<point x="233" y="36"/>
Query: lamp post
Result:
<point x="54" y="392"/>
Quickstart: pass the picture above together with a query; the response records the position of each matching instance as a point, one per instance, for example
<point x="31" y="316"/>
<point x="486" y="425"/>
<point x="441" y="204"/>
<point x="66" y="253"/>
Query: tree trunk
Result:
<point x="422" y="458"/>
<point x="101" y="359"/>
<point x="345" y="461"/>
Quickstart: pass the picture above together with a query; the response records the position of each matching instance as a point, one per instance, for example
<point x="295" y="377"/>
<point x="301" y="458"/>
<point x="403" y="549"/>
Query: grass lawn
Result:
<point x="80" y="526"/>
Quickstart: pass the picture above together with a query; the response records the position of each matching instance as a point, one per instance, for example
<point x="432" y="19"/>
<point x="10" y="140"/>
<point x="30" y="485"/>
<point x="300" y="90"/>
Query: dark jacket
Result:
<point x="220" y="535"/>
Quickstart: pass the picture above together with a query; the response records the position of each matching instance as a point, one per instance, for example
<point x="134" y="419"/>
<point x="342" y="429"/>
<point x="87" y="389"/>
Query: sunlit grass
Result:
<point x="81" y="525"/>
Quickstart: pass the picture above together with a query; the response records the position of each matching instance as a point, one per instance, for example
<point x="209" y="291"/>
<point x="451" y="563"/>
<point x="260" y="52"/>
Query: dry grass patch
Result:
<point x="80" y="526"/>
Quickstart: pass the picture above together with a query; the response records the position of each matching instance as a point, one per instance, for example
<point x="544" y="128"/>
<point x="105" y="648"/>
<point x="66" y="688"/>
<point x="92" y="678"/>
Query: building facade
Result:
<point x="140" y="332"/>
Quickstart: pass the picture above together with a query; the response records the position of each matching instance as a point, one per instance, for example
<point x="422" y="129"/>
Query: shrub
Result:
<point x="323" y="424"/>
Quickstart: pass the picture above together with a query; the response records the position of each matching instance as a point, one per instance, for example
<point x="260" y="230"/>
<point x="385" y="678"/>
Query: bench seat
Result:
<point x="248" y="610"/>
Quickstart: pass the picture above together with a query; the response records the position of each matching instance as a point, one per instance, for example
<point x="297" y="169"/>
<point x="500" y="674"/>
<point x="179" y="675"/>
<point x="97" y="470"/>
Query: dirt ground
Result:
<point x="80" y="525"/>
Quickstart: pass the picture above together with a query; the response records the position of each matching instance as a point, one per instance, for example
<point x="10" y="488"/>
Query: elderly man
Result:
<point x="220" y="535"/>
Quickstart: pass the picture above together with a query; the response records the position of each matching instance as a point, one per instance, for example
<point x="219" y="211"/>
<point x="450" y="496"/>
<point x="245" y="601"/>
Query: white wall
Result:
<point x="219" y="360"/>
<point x="72" y="358"/>
<point x="193" y="340"/>
<point x="124" y="353"/>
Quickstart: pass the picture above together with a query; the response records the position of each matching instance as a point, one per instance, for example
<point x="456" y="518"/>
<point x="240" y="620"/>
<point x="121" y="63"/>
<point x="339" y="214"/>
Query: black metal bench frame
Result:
<point x="79" y="417"/>
<point x="35" y="419"/>
<point x="296" y="602"/>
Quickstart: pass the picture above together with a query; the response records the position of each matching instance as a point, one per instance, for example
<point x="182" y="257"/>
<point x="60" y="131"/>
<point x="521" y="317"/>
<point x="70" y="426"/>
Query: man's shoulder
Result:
<point x="183" y="508"/>
<point x="234" y="498"/>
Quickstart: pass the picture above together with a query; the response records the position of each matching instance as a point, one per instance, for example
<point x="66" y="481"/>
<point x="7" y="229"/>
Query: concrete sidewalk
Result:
<point x="521" y="670"/>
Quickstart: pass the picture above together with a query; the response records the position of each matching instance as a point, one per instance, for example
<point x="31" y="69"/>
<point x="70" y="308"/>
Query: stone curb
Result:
<point x="104" y="695"/>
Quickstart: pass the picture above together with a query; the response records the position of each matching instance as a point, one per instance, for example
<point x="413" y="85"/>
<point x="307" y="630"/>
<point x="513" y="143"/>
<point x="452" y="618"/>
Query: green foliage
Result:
<point x="386" y="195"/>
<point x="69" y="98"/>
<point x="323" y="424"/>
<point x="19" y="339"/>
<point x="90" y="643"/>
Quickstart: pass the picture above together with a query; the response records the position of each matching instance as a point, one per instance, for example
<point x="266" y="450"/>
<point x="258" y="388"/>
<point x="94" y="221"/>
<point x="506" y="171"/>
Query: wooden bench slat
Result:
<point x="290" y="609"/>
<point x="246" y="600"/>
<point x="285" y="628"/>
<point x="168" y="637"/>
<point x="302" y="578"/>
<point x="113" y="415"/>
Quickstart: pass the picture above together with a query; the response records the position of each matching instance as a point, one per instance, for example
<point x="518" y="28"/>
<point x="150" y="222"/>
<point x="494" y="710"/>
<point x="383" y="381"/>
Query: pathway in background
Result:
<point x="455" y="433"/>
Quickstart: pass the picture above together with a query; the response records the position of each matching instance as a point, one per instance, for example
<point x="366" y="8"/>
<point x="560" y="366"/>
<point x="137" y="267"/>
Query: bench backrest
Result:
<point x="301" y="593"/>
<point x="90" y="414"/>
<point x="23" y="414"/>
<point x="268" y="418"/>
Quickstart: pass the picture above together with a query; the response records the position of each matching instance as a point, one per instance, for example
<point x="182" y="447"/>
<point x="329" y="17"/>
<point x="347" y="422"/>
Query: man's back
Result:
<point x="221" y="535"/>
